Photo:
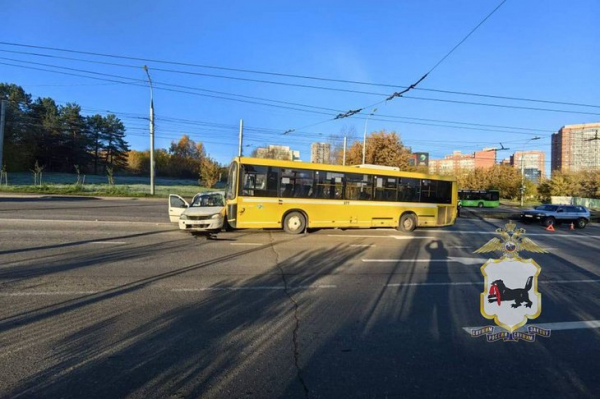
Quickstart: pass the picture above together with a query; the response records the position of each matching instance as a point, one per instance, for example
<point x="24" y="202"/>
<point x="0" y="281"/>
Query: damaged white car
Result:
<point x="206" y="213"/>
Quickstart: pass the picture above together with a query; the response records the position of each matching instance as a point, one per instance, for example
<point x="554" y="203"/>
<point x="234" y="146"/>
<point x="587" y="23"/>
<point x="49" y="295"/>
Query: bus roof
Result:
<point x="362" y="169"/>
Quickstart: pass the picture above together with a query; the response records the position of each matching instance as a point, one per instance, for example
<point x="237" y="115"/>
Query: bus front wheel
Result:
<point x="294" y="223"/>
<point x="480" y="205"/>
<point x="408" y="223"/>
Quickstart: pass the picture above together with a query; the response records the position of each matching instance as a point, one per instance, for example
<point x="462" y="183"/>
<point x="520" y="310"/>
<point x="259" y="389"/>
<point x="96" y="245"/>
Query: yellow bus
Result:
<point x="295" y="196"/>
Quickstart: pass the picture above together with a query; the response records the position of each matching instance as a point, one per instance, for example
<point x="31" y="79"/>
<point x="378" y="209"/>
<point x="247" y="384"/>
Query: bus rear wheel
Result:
<point x="480" y="205"/>
<point x="294" y="223"/>
<point x="408" y="223"/>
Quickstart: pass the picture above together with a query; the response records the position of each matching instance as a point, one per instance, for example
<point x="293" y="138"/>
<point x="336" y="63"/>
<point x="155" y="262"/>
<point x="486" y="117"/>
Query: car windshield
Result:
<point x="205" y="200"/>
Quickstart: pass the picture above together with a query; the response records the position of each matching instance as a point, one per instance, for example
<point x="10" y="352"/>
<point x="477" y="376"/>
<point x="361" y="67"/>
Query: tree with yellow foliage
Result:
<point x="383" y="148"/>
<point x="210" y="172"/>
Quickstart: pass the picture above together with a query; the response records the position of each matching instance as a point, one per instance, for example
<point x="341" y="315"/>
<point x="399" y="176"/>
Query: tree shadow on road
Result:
<point x="217" y="339"/>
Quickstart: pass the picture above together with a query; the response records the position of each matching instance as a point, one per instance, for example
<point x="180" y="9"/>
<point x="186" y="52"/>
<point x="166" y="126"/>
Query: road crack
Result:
<point x="296" y="318"/>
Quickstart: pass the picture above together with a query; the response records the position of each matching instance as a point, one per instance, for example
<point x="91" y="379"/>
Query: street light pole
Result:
<point x="152" y="191"/>
<point x="365" y="136"/>
<point x="523" y="170"/>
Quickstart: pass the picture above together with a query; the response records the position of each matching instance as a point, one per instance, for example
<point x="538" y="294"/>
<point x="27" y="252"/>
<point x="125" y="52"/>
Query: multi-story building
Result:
<point x="576" y="148"/>
<point x="320" y="152"/>
<point x="459" y="162"/>
<point x="281" y="152"/>
<point x="533" y="164"/>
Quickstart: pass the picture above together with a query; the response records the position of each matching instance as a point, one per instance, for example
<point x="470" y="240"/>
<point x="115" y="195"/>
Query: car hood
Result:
<point x="202" y="210"/>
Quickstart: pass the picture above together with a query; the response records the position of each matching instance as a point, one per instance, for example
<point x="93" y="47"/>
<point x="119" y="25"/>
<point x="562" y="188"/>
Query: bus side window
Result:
<point x="358" y="187"/>
<point x="409" y="190"/>
<point x="385" y="188"/>
<point x="259" y="181"/>
<point x="429" y="191"/>
<point x="296" y="183"/>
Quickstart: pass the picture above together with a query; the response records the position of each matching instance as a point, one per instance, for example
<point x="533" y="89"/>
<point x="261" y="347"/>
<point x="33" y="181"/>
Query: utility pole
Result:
<point x="3" y="106"/>
<point x="151" y="133"/>
<point x="344" y="157"/>
<point x="241" y="137"/>
<point x="365" y="136"/>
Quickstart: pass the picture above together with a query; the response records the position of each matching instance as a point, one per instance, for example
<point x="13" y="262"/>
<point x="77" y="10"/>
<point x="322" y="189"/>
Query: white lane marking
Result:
<point x="247" y="243"/>
<point x="253" y="288"/>
<point x="564" y="325"/>
<point x="481" y="282"/>
<point x="455" y="259"/>
<point x="108" y="242"/>
<point x="42" y="293"/>
<point x="453" y="246"/>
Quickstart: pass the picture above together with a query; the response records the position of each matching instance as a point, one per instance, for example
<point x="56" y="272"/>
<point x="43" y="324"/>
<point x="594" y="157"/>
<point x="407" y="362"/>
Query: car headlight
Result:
<point x="183" y="217"/>
<point x="542" y="215"/>
<point x="216" y="216"/>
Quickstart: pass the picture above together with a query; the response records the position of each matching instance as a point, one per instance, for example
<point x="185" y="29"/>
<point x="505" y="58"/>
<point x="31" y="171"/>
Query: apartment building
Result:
<point x="533" y="164"/>
<point x="459" y="162"/>
<point x="320" y="152"/>
<point x="576" y="148"/>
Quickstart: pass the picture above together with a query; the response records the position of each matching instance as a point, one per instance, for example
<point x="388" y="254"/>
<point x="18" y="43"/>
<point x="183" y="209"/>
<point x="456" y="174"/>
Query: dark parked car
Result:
<point x="553" y="214"/>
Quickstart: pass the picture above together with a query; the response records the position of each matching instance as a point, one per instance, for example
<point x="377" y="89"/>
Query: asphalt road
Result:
<point x="104" y="298"/>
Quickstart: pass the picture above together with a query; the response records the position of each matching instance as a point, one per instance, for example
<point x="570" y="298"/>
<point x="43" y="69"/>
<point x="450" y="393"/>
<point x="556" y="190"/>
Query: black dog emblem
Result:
<point x="499" y="292"/>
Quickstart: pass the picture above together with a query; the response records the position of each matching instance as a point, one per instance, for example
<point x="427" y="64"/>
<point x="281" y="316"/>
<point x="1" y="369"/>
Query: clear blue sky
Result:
<point x="542" y="50"/>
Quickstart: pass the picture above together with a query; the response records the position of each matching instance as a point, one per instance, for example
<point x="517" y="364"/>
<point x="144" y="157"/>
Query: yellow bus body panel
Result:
<point x="268" y="212"/>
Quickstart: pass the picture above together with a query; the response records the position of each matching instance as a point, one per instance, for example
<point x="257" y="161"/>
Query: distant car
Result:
<point x="206" y="212"/>
<point x="552" y="214"/>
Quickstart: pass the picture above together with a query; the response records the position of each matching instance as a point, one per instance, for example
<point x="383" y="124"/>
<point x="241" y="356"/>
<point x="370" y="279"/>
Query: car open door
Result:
<point x="176" y="207"/>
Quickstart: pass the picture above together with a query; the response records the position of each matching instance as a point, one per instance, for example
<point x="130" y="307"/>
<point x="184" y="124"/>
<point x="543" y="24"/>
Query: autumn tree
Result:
<point x="210" y="172"/>
<point x="584" y="184"/>
<point x="383" y="148"/>
<point x="185" y="157"/>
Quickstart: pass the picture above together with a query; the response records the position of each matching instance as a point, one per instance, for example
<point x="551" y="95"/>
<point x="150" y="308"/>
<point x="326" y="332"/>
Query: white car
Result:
<point x="206" y="213"/>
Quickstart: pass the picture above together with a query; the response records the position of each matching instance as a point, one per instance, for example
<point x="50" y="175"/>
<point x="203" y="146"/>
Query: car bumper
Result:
<point x="201" y="225"/>
<point x="530" y="217"/>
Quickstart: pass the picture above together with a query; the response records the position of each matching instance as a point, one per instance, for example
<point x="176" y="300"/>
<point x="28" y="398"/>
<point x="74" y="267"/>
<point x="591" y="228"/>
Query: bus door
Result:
<point x="258" y="204"/>
<point x="332" y="210"/>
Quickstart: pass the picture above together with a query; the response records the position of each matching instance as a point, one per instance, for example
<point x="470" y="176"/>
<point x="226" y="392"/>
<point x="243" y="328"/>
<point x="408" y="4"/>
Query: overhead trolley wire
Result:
<point x="414" y="85"/>
<point x="278" y="74"/>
